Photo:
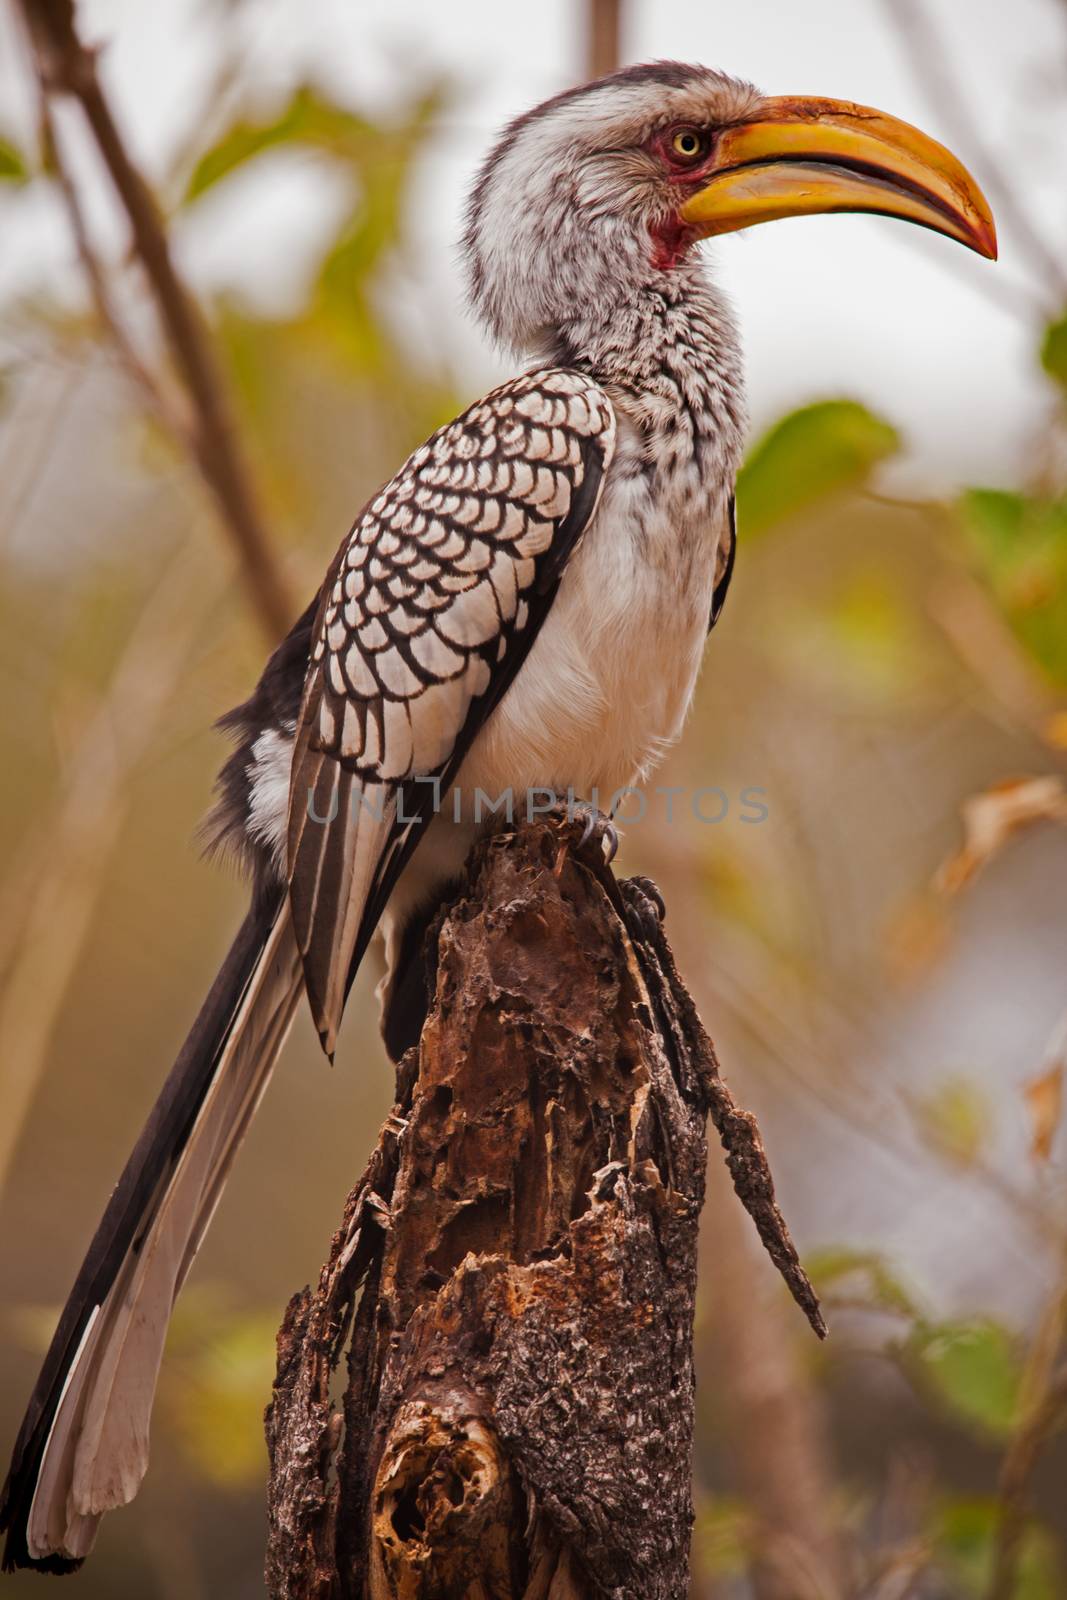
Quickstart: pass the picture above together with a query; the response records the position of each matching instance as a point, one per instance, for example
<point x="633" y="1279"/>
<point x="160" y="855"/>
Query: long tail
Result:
<point x="83" y="1445"/>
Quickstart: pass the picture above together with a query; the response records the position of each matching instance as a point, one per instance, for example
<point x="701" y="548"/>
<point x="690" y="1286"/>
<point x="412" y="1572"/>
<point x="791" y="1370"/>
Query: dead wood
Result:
<point x="514" y="1278"/>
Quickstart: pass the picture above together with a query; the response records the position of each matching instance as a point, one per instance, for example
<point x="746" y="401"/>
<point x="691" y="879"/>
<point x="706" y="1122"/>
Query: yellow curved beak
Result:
<point x="803" y="156"/>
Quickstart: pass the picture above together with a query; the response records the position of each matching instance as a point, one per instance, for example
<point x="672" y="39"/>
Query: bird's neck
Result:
<point x="666" y="349"/>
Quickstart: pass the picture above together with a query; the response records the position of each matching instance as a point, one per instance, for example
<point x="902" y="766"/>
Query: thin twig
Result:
<point x="782" y="1463"/>
<point x="68" y="859"/>
<point x="983" y="641"/>
<point x="161" y="407"/>
<point x="603" y="27"/>
<point x="66" y="66"/>
<point x="927" y="58"/>
<point x="739" y="984"/>
<point x="1043" y="1406"/>
<point x="23" y="459"/>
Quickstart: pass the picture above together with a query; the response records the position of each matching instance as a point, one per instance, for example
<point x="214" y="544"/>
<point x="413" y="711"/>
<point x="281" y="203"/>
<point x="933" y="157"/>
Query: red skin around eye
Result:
<point x="670" y="237"/>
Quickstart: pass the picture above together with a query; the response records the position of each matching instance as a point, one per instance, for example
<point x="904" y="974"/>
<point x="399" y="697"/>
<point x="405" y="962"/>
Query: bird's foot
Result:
<point x="599" y="833"/>
<point x="645" y="907"/>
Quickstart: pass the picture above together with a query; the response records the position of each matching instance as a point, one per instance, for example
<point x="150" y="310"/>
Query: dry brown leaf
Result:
<point x="1056" y="730"/>
<point x="992" y="818"/>
<point x="1044" y="1102"/>
<point x="916" y="938"/>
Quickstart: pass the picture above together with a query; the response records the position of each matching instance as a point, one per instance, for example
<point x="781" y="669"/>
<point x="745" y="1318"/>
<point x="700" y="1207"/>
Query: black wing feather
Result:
<point x="724" y="564"/>
<point x="431" y="608"/>
<point x="519" y="646"/>
<point x="129" y="1210"/>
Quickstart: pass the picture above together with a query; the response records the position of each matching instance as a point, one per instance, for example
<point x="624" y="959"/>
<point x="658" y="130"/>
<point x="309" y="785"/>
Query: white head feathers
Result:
<point x="560" y="213"/>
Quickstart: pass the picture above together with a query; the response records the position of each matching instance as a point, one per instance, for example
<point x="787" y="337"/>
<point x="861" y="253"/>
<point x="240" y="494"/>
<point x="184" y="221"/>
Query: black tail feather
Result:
<point x="126" y="1219"/>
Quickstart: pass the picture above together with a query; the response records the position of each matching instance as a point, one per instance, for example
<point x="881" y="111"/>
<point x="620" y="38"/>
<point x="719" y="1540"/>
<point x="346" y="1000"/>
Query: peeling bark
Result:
<point x="515" y="1275"/>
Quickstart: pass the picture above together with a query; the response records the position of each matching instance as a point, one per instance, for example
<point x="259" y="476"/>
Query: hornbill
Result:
<point x="523" y="605"/>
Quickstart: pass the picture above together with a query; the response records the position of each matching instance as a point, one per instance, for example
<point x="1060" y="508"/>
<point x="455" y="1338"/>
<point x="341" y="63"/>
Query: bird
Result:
<point x="523" y="605"/>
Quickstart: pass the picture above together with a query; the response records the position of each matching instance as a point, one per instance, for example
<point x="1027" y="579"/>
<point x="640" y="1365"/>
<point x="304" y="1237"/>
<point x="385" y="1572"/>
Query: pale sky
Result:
<point x="906" y="321"/>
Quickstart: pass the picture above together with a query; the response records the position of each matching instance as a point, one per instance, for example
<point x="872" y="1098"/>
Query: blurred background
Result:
<point x="881" y="960"/>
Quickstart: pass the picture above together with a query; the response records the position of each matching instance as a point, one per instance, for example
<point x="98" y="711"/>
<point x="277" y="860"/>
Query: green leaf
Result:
<point x="955" y="1118"/>
<point x="220" y="1362"/>
<point x="858" y="643"/>
<point x="312" y="120"/>
<point x="971" y="1368"/>
<point x="817" y="451"/>
<point x="723" y="1535"/>
<point x="859" y="1275"/>
<point x="1054" y="351"/>
<point x="1019" y="547"/>
<point x="13" y="165"/>
<point x="995" y="519"/>
<point x="340" y="304"/>
<point x="341" y="316"/>
<point x="963" y="1533"/>
<point x="308" y="119"/>
<point x="869" y="634"/>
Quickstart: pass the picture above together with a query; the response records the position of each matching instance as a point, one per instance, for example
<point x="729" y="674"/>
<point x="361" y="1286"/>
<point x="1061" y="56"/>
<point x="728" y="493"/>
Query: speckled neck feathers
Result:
<point x="667" y="352"/>
<point x="562" y="262"/>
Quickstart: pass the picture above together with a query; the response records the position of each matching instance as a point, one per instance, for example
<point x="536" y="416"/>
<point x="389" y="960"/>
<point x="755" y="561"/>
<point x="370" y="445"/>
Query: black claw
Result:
<point x="650" y="889"/>
<point x="644" y="905"/>
<point x="597" y="827"/>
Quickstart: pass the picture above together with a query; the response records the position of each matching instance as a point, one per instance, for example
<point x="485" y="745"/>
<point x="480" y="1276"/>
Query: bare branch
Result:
<point x="48" y="907"/>
<point x="158" y="402"/>
<point x="66" y="66"/>
<point x="773" y="1422"/>
<point x="984" y="643"/>
<point x="1043" y="1406"/>
<point x="603" y="41"/>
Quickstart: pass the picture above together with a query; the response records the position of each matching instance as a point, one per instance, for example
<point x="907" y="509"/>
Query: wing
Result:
<point x="429" y="609"/>
<point x="724" y="564"/>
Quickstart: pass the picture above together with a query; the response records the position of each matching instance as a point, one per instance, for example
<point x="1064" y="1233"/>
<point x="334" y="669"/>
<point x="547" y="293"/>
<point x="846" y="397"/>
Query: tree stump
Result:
<point x="515" y="1274"/>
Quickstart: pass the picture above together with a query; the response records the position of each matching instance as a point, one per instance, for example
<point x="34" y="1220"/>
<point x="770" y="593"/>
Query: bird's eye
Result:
<point x="688" y="144"/>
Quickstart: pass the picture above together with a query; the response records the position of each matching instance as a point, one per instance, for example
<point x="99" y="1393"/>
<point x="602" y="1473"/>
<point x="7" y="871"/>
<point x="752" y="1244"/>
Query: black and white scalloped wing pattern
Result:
<point x="428" y="612"/>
